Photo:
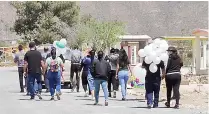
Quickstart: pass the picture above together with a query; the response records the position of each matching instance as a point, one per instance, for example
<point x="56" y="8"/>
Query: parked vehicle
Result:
<point x="66" y="84"/>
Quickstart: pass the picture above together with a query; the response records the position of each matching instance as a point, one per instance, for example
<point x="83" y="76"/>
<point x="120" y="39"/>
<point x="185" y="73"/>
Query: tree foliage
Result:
<point x="45" y="20"/>
<point x="100" y="35"/>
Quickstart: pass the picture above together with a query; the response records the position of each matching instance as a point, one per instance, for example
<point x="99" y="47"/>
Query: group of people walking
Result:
<point x="97" y="69"/>
<point x="33" y="65"/>
<point x="172" y="75"/>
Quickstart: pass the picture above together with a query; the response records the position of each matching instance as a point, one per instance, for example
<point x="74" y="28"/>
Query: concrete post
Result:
<point x="205" y="55"/>
<point x="193" y="56"/>
<point x="197" y="54"/>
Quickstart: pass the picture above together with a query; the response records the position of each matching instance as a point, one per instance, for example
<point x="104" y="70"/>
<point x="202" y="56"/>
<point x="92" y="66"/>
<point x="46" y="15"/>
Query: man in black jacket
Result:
<point x="101" y="71"/>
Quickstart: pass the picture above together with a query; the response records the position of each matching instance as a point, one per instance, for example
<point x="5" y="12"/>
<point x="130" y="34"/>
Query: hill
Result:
<point x="142" y="17"/>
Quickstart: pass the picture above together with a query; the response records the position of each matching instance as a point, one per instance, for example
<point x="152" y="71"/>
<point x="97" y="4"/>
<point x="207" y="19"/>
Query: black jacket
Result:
<point x="100" y="69"/>
<point x="174" y="64"/>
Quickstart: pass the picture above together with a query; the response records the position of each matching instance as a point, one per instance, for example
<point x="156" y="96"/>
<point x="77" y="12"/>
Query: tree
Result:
<point x="45" y="20"/>
<point x="100" y="35"/>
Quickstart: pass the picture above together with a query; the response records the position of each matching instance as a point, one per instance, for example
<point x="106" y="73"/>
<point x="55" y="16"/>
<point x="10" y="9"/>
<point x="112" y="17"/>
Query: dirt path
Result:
<point x="192" y="96"/>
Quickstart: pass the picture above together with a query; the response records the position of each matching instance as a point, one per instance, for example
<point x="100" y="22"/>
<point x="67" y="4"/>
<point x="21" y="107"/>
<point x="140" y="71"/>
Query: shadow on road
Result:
<point x="36" y="100"/>
<point x="45" y="95"/>
<point x="67" y="92"/>
<point x="15" y="92"/>
<point x="141" y="100"/>
<point x="84" y="99"/>
<point x="145" y="107"/>
<point x="46" y="100"/>
<point x="41" y="95"/>
<point x="82" y="96"/>
<point x="25" y="99"/>
<point x="93" y="104"/>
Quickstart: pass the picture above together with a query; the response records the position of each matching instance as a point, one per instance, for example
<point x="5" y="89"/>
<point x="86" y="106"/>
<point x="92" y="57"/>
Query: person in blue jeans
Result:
<point x="54" y="66"/>
<point x="85" y="65"/>
<point x="87" y="78"/>
<point x="27" y="86"/>
<point x="101" y="70"/>
<point x="32" y="67"/>
<point x="122" y="72"/>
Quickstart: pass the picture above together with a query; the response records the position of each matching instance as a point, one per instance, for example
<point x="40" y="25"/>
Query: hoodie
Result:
<point x="174" y="64"/>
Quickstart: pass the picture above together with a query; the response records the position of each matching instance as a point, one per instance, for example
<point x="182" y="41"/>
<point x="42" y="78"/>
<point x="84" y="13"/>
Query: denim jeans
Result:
<point x="32" y="77"/>
<point x="123" y="79"/>
<point x="46" y="81"/>
<point x="97" y="88"/>
<point x="152" y="88"/>
<point x="54" y="82"/>
<point x="36" y="86"/>
<point x="91" y="82"/>
<point x="27" y="85"/>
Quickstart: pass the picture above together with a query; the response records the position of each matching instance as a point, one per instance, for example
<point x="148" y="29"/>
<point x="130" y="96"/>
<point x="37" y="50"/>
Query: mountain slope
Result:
<point x="142" y="17"/>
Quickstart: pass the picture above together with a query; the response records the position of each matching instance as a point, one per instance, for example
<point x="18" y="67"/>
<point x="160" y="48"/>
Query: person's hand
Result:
<point x="87" y="52"/>
<point x="62" y="74"/>
<point x="130" y="73"/>
<point x="63" y="80"/>
<point x="163" y="76"/>
<point x="116" y="76"/>
<point x="43" y="72"/>
<point x="25" y="74"/>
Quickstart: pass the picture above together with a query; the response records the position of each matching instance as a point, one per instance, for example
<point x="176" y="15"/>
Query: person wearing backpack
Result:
<point x="76" y="59"/>
<point x="54" y="66"/>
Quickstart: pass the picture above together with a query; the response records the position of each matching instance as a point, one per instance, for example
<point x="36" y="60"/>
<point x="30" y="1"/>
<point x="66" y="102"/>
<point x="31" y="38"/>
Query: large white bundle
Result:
<point x="154" y="53"/>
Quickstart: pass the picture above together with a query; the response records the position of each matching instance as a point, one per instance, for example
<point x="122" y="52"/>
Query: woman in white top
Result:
<point x="54" y="66"/>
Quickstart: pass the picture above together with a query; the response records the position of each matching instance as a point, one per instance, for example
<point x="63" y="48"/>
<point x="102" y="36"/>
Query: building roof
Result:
<point x="134" y="37"/>
<point x="200" y="32"/>
<point x="184" y="37"/>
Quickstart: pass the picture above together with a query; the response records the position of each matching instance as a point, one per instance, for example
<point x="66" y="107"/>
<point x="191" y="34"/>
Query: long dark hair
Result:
<point x="92" y="53"/>
<point x="20" y="47"/>
<point x="117" y="51"/>
<point x="174" y="55"/>
<point x="53" y="53"/>
<point x="123" y="58"/>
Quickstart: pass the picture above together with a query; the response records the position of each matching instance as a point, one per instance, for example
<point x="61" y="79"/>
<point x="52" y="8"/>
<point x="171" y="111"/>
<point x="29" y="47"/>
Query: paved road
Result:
<point x="11" y="101"/>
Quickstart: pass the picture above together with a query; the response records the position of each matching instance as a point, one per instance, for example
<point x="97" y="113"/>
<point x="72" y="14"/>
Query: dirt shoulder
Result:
<point x="193" y="96"/>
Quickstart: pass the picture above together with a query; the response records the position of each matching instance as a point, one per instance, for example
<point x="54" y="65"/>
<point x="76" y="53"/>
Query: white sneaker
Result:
<point x="93" y="98"/>
<point x="86" y="94"/>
